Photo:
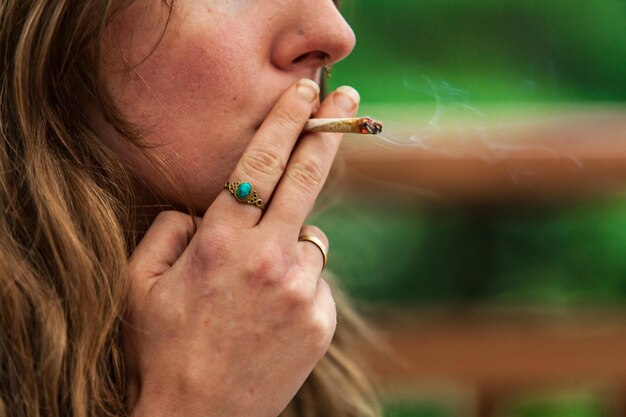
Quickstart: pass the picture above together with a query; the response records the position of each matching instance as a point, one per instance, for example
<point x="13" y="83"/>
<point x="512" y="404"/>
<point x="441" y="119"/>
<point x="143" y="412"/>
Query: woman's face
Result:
<point x="200" y="96"/>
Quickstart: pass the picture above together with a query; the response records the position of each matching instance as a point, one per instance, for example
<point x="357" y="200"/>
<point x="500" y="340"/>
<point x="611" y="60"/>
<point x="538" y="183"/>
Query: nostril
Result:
<point x="314" y="56"/>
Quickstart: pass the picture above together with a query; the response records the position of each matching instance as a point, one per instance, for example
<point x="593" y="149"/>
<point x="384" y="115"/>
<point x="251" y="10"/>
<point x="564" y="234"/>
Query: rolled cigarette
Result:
<point x="361" y="125"/>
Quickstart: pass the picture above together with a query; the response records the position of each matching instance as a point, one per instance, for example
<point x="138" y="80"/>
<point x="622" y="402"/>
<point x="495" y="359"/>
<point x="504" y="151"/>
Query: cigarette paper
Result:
<point x="362" y="125"/>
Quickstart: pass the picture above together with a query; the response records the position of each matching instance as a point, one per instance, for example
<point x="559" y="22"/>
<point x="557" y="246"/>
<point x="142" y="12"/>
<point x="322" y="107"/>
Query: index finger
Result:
<point x="308" y="168"/>
<point x="264" y="160"/>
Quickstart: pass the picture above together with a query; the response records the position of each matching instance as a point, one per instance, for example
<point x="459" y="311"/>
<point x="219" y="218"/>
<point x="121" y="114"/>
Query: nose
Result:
<point x="316" y="34"/>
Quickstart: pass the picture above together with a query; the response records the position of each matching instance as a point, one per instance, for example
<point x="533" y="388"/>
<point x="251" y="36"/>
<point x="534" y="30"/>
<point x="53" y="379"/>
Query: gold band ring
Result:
<point x="244" y="193"/>
<point x="320" y="245"/>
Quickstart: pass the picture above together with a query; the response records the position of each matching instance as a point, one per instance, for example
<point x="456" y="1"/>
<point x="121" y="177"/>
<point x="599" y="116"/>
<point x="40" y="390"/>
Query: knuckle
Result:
<point x="212" y="248"/>
<point x="307" y="173"/>
<point x="324" y="318"/>
<point x="267" y="267"/>
<point x="217" y="238"/>
<point x="265" y="161"/>
<point x="322" y="329"/>
<point x="173" y="218"/>
<point x="294" y="296"/>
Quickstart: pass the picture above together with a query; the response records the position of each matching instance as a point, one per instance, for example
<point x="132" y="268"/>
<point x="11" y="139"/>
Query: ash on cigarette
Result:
<point x="371" y="127"/>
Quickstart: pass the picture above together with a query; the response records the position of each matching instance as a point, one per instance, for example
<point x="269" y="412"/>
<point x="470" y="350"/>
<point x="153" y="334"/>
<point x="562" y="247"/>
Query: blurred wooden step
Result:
<point x="501" y="351"/>
<point x="578" y="154"/>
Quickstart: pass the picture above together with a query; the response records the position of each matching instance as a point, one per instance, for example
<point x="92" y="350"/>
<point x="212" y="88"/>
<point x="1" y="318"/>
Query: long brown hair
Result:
<point x="68" y="226"/>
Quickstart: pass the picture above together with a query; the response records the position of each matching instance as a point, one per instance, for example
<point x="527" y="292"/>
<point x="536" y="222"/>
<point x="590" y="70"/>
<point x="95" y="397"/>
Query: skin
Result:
<point x="203" y="93"/>
<point x="229" y="318"/>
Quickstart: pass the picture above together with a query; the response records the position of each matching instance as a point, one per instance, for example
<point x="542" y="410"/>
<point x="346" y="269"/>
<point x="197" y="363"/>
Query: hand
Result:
<point x="229" y="316"/>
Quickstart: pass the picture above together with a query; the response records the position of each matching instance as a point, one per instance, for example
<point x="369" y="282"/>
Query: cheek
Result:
<point x="193" y="99"/>
<point x="204" y="96"/>
<point x="198" y="115"/>
<point x="191" y="82"/>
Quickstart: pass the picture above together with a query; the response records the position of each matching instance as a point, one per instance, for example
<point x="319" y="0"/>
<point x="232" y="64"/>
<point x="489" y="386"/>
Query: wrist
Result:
<point x="145" y="409"/>
<point x="162" y="402"/>
<point x="164" y="405"/>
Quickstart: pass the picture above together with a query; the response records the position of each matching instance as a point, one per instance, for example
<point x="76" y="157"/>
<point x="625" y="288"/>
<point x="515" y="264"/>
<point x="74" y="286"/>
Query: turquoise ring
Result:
<point x="244" y="193"/>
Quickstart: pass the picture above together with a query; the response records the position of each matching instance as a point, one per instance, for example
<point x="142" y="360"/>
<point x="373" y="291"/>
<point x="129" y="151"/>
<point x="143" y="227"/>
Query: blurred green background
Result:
<point x="487" y="50"/>
<point x="561" y="256"/>
<point x="480" y="54"/>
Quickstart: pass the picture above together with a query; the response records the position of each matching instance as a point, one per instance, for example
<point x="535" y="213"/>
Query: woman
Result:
<point x="108" y="106"/>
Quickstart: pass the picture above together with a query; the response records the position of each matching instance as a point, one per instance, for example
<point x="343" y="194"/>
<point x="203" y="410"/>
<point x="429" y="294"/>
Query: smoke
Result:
<point x="453" y="128"/>
<point x="446" y="100"/>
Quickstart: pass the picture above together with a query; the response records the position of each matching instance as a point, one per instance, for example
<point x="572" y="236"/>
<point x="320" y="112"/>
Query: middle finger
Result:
<point x="308" y="168"/>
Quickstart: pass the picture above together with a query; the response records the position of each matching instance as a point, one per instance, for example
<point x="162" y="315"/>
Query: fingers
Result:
<point x="310" y="261"/>
<point x="164" y="242"/>
<point x="326" y="310"/>
<point x="263" y="162"/>
<point x="308" y="168"/>
<point x="313" y="248"/>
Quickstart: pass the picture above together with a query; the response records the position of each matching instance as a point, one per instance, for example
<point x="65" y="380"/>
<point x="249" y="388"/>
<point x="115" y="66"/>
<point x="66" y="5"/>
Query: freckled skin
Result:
<point x="212" y="80"/>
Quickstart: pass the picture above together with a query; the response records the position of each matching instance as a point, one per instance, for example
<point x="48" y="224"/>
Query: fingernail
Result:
<point x="307" y="90"/>
<point x="347" y="98"/>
